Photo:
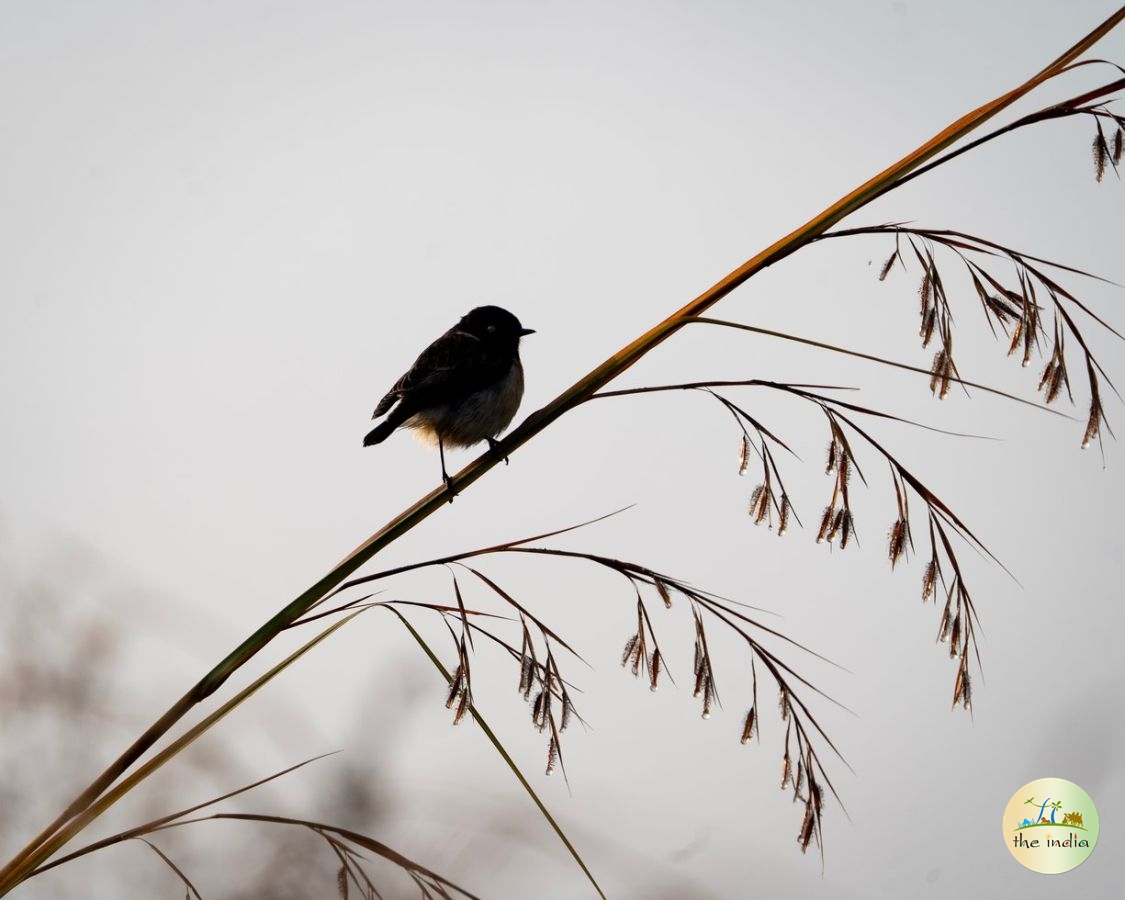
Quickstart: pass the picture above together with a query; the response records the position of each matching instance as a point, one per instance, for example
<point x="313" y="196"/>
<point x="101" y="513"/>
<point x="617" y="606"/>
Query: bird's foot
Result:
<point x="449" y="486"/>
<point x="494" y="446"/>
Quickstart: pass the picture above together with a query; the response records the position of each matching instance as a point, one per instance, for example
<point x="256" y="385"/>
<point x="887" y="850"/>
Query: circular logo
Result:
<point x="1050" y="825"/>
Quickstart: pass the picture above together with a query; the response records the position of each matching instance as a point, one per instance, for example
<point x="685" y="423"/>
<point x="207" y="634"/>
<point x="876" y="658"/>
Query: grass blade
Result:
<point x="511" y="763"/>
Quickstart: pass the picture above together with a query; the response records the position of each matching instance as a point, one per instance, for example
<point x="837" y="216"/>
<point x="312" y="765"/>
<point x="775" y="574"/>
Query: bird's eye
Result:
<point x="490" y="329"/>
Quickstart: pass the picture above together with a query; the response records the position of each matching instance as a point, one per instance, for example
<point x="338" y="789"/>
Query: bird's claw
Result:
<point x="494" y="446"/>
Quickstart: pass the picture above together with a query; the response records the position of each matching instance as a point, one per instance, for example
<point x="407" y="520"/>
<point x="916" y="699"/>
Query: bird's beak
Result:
<point x="524" y="332"/>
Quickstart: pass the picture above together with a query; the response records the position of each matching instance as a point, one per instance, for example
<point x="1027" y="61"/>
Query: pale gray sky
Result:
<point x="228" y="227"/>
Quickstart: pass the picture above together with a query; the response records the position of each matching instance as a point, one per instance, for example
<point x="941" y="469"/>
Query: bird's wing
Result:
<point x="429" y="368"/>
<point x="450" y="369"/>
<point x="387" y="402"/>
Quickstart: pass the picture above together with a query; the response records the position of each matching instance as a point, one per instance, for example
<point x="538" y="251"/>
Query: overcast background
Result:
<point x="227" y="228"/>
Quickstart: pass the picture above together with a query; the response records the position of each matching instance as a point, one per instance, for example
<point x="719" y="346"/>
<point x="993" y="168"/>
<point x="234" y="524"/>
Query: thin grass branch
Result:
<point x="1015" y="308"/>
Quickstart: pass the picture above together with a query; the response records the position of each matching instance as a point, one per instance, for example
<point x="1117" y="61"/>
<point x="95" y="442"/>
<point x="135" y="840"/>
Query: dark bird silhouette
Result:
<point x="463" y="389"/>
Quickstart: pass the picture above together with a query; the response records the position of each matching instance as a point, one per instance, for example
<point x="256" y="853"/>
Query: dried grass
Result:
<point x="1018" y="303"/>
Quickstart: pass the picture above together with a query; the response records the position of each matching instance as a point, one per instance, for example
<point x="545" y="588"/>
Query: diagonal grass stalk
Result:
<point x="76" y="824"/>
<point x="511" y="763"/>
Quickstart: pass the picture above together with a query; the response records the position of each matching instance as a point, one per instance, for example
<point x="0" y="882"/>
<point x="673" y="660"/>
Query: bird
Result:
<point x="462" y="389"/>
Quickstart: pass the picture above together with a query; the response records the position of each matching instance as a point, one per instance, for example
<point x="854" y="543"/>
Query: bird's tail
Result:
<point x="379" y="433"/>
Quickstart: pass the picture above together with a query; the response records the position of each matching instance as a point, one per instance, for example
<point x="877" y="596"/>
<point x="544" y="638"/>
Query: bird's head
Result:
<point x="494" y="325"/>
